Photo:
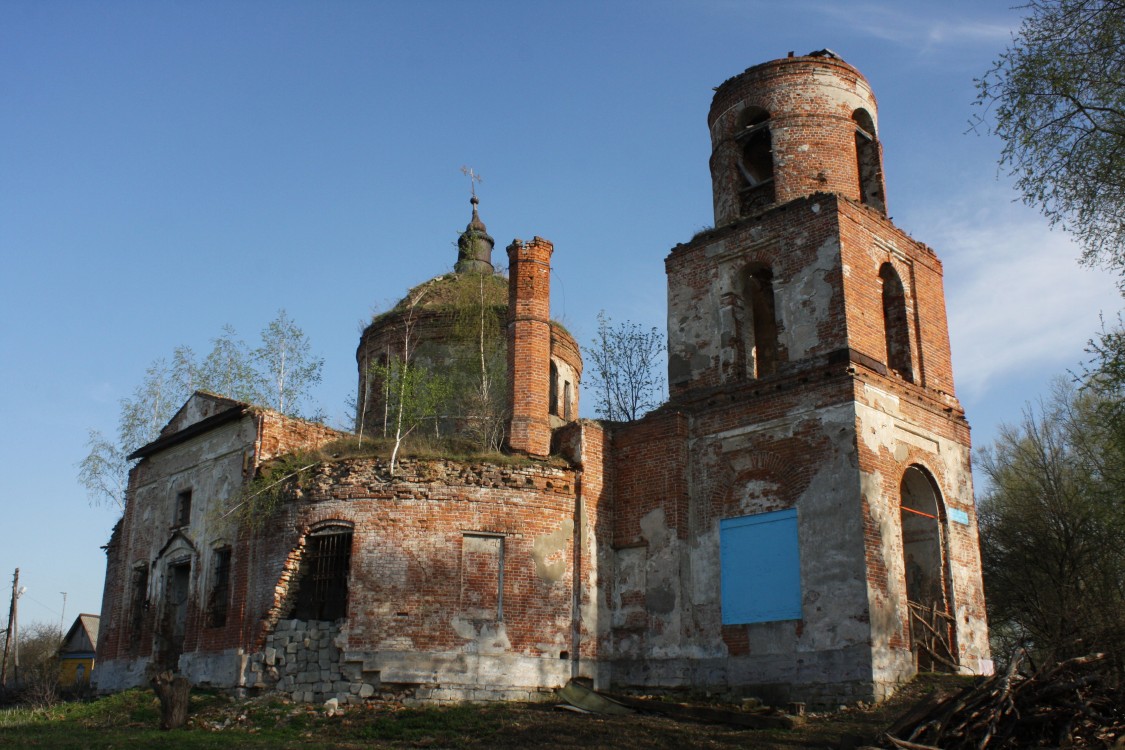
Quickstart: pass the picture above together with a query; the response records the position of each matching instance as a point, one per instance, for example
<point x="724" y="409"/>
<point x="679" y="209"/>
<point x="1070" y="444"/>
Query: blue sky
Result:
<point x="170" y="167"/>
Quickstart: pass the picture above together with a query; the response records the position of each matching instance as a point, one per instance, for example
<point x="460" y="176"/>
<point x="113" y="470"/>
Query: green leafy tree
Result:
<point x="1052" y="525"/>
<point x="478" y="381"/>
<point x="229" y="369"/>
<point x="287" y="365"/>
<point x="280" y="373"/>
<point x="1056" y="97"/>
<point x="623" y="367"/>
<point x="412" y="395"/>
<point x="104" y="472"/>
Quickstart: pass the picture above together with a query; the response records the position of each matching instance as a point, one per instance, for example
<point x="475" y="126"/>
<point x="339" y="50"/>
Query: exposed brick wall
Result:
<point x="810" y="101"/>
<point x="279" y="435"/>
<point x="650" y="471"/>
<point x="529" y="348"/>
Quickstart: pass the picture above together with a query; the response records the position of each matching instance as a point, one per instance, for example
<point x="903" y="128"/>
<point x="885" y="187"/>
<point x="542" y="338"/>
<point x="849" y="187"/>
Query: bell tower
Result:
<point x="808" y="342"/>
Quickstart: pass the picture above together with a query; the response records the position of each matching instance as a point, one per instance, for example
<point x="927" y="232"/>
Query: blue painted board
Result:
<point x="760" y="568"/>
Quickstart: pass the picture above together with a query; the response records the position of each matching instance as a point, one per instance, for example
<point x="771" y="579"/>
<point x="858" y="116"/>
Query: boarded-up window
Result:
<point x="482" y="576"/>
<point x="322" y="592"/>
<point x="219" y="600"/>
<point x="760" y="568"/>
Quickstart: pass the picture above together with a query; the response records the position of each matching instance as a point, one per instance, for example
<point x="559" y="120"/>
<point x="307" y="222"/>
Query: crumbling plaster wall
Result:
<point x="798" y="450"/>
<point x="799" y="244"/>
<point x="214" y="466"/>
<point x="211" y="466"/>
<point x="899" y="429"/>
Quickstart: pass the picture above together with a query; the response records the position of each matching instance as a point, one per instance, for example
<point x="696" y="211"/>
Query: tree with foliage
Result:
<point x="37" y="684"/>
<point x="279" y="373"/>
<point x="1052" y="525"/>
<point x="411" y="394"/>
<point x="623" y="367"/>
<point x="104" y="472"/>
<point x="286" y="363"/>
<point x="1056" y="97"/>
<point x="479" y="374"/>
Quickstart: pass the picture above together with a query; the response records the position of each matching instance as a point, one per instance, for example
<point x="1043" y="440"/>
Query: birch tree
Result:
<point x="287" y="365"/>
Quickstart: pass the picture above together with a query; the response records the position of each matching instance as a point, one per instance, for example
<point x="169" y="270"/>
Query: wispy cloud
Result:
<point x="923" y="27"/>
<point x="1018" y="301"/>
<point x="914" y="28"/>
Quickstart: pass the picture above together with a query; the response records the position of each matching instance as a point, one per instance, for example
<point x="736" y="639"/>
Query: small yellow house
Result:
<point x="76" y="657"/>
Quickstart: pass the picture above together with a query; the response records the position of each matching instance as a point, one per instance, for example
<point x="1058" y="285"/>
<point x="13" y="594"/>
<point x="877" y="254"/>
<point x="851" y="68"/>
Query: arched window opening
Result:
<point x="867" y="160"/>
<point x="896" y="325"/>
<point x="755" y="159"/>
<point x="923" y="551"/>
<point x="758" y="323"/>
<point x="322" y="579"/>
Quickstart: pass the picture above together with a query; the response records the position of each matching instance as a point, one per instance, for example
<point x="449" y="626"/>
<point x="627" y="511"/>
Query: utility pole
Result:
<point x="12" y="632"/>
<point x="62" y="617"/>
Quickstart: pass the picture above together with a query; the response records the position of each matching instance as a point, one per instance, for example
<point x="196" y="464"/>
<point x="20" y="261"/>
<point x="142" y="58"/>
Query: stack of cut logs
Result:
<point x="1072" y="703"/>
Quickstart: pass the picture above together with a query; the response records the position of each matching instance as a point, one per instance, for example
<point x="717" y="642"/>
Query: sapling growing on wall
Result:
<point x="411" y="394"/>
<point x="482" y="366"/>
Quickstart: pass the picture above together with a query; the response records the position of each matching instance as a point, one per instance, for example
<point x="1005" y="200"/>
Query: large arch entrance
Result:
<point x="924" y="557"/>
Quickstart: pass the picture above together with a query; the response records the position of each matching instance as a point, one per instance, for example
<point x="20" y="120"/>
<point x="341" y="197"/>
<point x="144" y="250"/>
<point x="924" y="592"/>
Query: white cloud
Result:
<point x="1018" y="300"/>
<point x="922" y="27"/>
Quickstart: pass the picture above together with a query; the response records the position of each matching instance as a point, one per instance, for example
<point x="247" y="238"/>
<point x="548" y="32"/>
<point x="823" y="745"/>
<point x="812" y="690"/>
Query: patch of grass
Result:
<point x="130" y="720"/>
<point x="435" y="725"/>
<point x="421" y="446"/>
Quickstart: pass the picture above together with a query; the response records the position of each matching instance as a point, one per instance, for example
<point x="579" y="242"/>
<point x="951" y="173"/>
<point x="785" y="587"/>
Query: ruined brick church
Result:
<point x="784" y="526"/>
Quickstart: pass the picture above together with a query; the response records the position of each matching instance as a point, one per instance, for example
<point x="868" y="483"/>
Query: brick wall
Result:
<point x="810" y="102"/>
<point x="529" y="348"/>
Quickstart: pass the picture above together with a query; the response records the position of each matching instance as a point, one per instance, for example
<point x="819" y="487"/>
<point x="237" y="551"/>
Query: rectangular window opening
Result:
<point x="139" y="601"/>
<point x="183" y="508"/>
<point x="219" y="602"/>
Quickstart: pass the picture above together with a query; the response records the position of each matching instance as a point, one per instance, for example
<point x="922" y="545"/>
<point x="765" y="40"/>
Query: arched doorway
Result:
<point x="924" y="558"/>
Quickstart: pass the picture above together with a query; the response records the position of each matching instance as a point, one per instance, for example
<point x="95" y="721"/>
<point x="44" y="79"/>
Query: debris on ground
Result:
<point x="1073" y="703"/>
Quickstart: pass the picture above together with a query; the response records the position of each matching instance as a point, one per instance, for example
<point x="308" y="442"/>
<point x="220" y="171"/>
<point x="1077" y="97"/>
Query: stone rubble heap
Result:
<point x="301" y="660"/>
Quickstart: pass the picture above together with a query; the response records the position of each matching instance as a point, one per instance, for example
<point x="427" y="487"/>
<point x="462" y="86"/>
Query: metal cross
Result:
<point x="474" y="178"/>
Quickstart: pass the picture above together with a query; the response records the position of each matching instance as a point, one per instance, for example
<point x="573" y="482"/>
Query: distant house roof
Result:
<point x="82" y="636"/>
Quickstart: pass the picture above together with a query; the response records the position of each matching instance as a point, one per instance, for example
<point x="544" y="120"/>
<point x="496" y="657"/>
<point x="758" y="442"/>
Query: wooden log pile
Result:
<point x="1072" y="703"/>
